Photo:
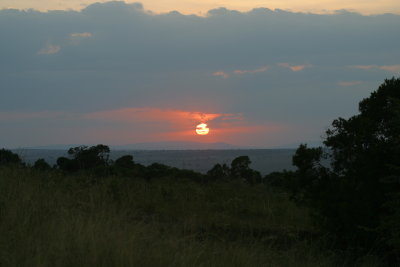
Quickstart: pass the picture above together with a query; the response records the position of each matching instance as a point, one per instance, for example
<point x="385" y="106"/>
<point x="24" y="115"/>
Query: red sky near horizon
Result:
<point x="146" y="124"/>
<point x="179" y="125"/>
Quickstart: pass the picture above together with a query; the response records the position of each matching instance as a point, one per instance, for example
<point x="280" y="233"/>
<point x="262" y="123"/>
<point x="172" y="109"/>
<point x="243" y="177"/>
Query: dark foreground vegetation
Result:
<point x="90" y="211"/>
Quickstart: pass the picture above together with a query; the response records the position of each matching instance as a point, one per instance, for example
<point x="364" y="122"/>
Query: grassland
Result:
<point x="49" y="219"/>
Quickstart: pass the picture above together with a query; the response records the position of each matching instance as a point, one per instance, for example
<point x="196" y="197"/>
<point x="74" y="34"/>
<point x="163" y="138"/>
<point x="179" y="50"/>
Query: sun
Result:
<point x="202" y="129"/>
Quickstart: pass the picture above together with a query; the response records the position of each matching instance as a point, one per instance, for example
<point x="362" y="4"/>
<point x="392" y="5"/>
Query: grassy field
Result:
<point x="48" y="219"/>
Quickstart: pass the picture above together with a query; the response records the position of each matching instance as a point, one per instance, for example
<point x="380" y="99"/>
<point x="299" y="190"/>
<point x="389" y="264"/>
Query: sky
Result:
<point x="122" y="73"/>
<point x="202" y="7"/>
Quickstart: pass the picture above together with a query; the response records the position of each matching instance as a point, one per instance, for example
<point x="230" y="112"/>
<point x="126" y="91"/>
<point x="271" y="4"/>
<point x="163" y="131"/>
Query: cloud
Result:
<point x="391" y="68"/>
<point x="114" y="55"/>
<point x="221" y="133"/>
<point x="294" y="68"/>
<point x="261" y="69"/>
<point x="81" y="34"/>
<point x="225" y="74"/>
<point x="50" y="49"/>
<point x="150" y="114"/>
<point x="349" y="83"/>
<point x="76" y="38"/>
<point x="364" y="67"/>
<point x="221" y="74"/>
<point x="154" y="124"/>
<point x="21" y="116"/>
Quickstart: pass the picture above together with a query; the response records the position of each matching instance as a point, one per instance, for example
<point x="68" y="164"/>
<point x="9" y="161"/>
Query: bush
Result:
<point x="7" y="157"/>
<point x="42" y="165"/>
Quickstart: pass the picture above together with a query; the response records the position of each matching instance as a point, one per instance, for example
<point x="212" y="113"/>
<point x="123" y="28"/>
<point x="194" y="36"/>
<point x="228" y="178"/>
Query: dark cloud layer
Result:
<point x="293" y="68"/>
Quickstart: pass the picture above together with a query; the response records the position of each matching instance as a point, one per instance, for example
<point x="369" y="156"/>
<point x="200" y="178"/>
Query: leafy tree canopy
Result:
<point x="85" y="158"/>
<point x="41" y="164"/>
<point x="8" y="157"/>
<point x="358" y="197"/>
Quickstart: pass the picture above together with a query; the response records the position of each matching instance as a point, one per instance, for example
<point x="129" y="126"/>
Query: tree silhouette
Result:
<point x="90" y="157"/>
<point x="366" y="156"/>
<point x="95" y="158"/>
<point x="306" y="159"/>
<point x="67" y="165"/>
<point x="42" y="165"/>
<point x="8" y="157"/>
<point x="309" y="169"/>
<point x="125" y="162"/>
<point x="219" y="172"/>
<point x="239" y="170"/>
<point x="358" y="199"/>
<point x="240" y="166"/>
<point x="127" y="167"/>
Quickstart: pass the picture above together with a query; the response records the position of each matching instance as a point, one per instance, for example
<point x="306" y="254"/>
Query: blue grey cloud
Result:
<point x="272" y="65"/>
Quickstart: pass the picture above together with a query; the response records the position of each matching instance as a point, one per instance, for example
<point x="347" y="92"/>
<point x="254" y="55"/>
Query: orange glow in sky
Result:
<point x="201" y="7"/>
<point x="148" y="124"/>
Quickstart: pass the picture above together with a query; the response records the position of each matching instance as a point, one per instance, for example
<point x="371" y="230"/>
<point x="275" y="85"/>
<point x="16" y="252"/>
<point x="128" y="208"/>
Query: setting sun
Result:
<point x="202" y="129"/>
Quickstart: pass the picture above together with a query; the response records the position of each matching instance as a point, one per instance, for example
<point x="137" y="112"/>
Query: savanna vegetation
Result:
<point x="88" y="210"/>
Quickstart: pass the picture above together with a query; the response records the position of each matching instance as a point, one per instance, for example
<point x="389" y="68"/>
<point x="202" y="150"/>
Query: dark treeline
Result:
<point x="94" y="161"/>
<point x="355" y="201"/>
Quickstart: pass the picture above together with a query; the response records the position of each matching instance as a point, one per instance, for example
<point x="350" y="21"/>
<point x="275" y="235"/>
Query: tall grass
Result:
<point x="48" y="219"/>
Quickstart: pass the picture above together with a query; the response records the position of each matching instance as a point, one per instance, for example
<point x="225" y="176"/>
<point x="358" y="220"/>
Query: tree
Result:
<point x="219" y="172"/>
<point x="358" y="198"/>
<point x="240" y="169"/>
<point x="307" y="160"/>
<point x="125" y="162"/>
<point x="158" y="170"/>
<point x="8" y="157"/>
<point x="95" y="158"/>
<point x="90" y="157"/>
<point x="67" y="165"/>
<point x="240" y="166"/>
<point x="366" y="153"/>
<point x="126" y="166"/>
<point x="42" y="165"/>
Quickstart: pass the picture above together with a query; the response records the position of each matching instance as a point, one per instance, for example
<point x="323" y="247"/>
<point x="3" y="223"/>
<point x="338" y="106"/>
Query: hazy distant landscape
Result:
<point x="263" y="160"/>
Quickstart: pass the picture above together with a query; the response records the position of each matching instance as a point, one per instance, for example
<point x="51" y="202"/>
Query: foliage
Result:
<point x="125" y="166"/>
<point x="90" y="157"/>
<point x="125" y="162"/>
<point x="219" y="172"/>
<point x="42" y="165"/>
<point x="8" y="157"/>
<point x="357" y="199"/>
<point x="67" y="165"/>
<point x="239" y="170"/>
<point x="285" y="179"/>
<point x="93" y="159"/>
<point x="307" y="159"/>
